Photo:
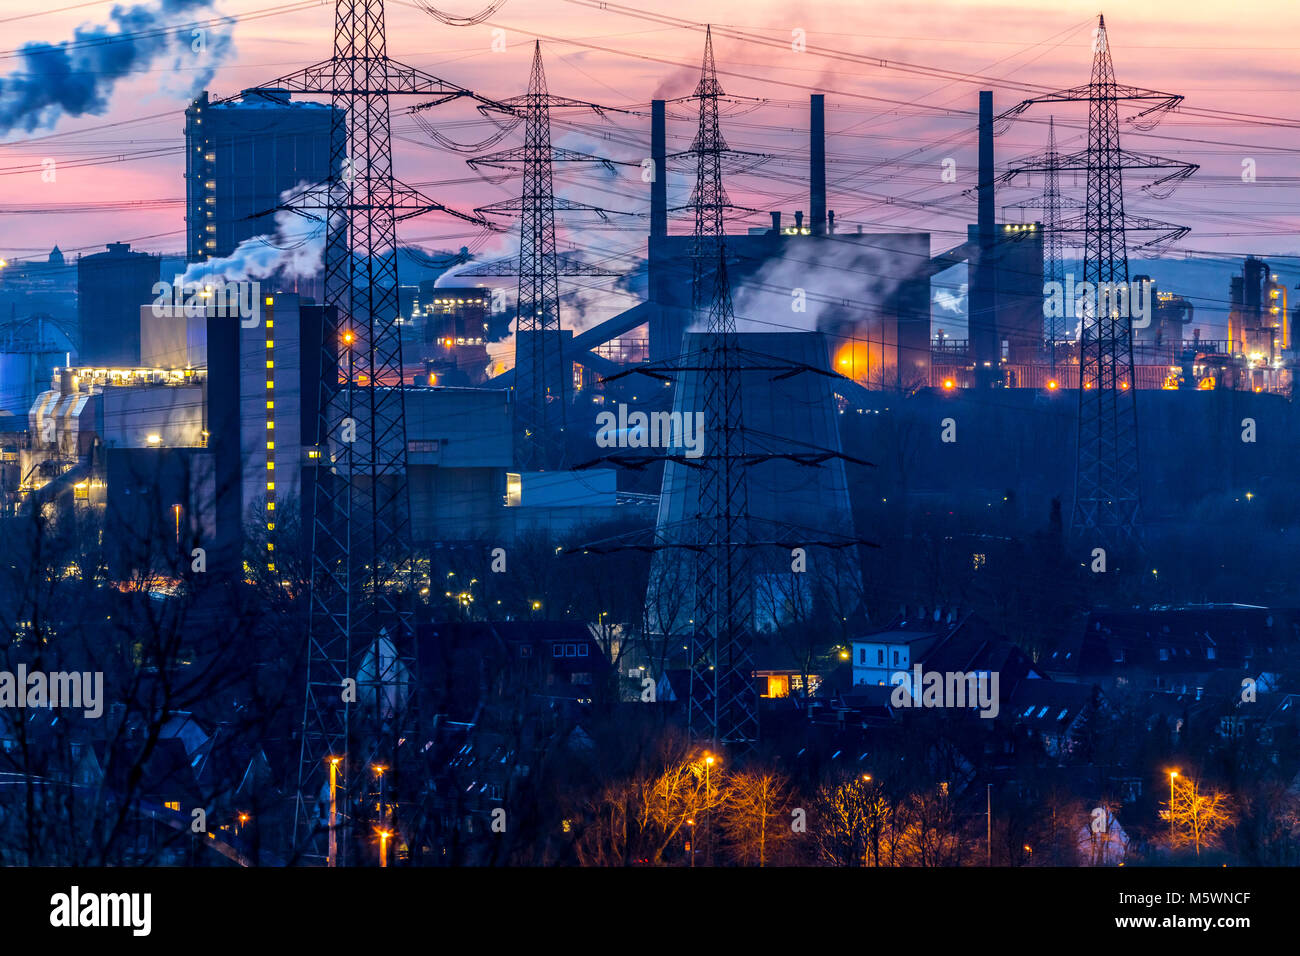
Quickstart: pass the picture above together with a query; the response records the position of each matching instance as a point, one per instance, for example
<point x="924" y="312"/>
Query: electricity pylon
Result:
<point x="360" y="643"/>
<point x="1106" y="509"/>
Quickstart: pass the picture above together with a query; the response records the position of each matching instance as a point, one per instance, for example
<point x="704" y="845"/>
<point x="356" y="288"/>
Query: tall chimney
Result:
<point x="798" y="221"/>
<point x="817" y="164"/>
<point x="986" y="207"/>
<point x="982" y="331"/>
<point x="776" y="223"/>
<point x="659" y="156"/>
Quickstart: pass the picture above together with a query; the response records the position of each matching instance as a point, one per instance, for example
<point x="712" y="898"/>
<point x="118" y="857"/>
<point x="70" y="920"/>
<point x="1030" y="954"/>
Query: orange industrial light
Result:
<point x="1052" y="385"/>
<point x="348" y="337"/>
<point x="949" y="383"/>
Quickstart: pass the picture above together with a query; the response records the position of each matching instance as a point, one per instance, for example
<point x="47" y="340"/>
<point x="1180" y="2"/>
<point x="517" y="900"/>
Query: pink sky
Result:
<point x="1222" y="58"/>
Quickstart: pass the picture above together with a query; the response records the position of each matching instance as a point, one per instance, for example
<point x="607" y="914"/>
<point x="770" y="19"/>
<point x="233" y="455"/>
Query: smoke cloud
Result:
<point x="76" y="77"/>
<point x="839" y="282"/>
<point x="296" y="250"/>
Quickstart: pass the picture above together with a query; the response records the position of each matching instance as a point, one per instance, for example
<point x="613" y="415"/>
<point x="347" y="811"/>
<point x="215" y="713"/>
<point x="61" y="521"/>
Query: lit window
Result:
<point x="270" y="324"/>
<point x="270" y="343"/>
<point x="270" y="404"/>
<point x="270" y="384"/>
<point x="270" y="506"/>
<point x="270" y="466"/>
<point x="270" y="486"/>
<point x="270" y="526"/>
<point x="270" y="425"/>
<point x="270" y="546"/>
<point x="270" y="364"/>
<point x="270" y="446"/>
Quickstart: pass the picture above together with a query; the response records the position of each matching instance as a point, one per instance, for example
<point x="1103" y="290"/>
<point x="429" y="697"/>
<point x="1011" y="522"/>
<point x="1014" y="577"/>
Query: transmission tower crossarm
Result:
<point x="317" y="201"/>
<point x="1131" y="94"/>
<point x="384" y="77"/>
<point x="516" y="157"/>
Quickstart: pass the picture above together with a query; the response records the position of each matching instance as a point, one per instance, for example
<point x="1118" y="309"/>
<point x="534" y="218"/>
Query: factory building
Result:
<point x="456" y="323"/>
<point x="262" y="399"/>
<point x="1259" y="326"/>
<point x="30" y="350"/>
<point x="111" y="287"/>
<point x="129" y="441"/>
<point x="869" y="291"/>
<point x="240" y="157"/>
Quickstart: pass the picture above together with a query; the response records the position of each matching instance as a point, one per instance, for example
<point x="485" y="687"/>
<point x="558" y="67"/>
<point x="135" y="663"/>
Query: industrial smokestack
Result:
<point x="981" y="321"/>
<point x="986" y="207"/>
<point x="798" y="221"/>
<point x="817" y="164"/>
<point x="659" y="156"/>
<point x="776" y="223"/>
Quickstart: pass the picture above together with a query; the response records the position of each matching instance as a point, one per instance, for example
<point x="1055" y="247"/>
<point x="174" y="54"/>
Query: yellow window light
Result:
<point x="270" y="486"/>
<point x="270" y="343"/>
<point x="270" y="425"/>
<point x="270" y="364"/>
<point x="270" y="446"/>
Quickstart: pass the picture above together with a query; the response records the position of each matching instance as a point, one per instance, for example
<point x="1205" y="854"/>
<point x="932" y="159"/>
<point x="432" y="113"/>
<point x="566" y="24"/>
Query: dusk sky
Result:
<point x="889" y="128"/>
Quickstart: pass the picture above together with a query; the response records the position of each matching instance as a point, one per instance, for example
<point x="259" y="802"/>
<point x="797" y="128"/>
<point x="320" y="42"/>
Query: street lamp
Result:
<point x="708" y="765"/>
<point x="334" y="806"/>
<point x="383" y="803"/>
<point x="383" y="846"/>
<point x="1172" y="775"/>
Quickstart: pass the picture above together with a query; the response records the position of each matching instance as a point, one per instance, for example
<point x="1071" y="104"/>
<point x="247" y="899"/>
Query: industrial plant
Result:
<point x="645" y="489"/>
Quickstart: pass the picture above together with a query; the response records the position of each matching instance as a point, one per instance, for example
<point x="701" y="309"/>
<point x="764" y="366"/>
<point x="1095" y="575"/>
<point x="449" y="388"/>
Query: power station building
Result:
<point x="111" y="287"/>
<point x="240" y="157"/>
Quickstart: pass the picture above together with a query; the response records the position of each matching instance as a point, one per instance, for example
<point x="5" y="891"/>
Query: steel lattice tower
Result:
<point x="1053" y="249"/>
<point x="541" y="375"/>
<point x="1106" y="484"/>
<point x="541" y="387"/>
<point x="723" y="702"/>
<point x="360" y="627"/>
<point x="1106" y="509"/>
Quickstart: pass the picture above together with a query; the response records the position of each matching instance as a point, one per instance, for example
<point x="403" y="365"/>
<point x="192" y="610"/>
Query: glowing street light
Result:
<point x="334" y="809"/>
<point x="1172" y="775"/>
